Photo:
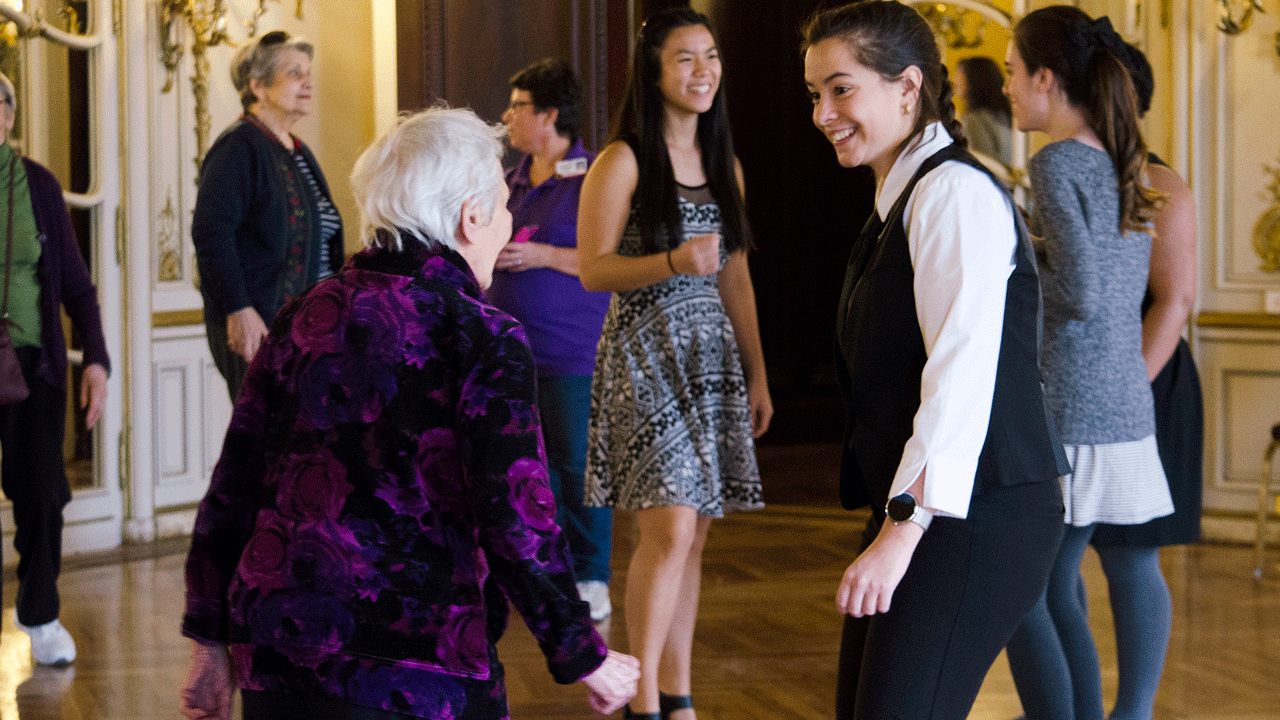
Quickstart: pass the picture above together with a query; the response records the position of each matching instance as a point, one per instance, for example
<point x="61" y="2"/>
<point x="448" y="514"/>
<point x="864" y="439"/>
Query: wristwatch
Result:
<point x="902" y="508"/>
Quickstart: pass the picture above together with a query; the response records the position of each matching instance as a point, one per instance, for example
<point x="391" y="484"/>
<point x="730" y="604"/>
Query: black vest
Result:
<point x="880" y="356"/>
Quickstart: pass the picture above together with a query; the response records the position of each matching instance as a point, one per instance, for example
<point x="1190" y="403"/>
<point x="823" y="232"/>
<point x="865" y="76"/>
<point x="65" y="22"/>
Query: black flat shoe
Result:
<point x="668" y="704"/>
<point x="626" y="713"/>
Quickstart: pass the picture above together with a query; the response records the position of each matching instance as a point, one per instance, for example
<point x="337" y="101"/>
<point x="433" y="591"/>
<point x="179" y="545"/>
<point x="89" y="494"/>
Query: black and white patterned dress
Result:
<point x="670" y="422"/>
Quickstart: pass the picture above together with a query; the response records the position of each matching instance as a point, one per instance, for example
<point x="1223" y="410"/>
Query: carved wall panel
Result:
<point x="1240" y="372"/>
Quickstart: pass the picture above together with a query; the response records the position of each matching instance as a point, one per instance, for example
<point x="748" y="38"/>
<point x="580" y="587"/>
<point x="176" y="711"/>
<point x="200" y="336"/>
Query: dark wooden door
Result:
<point x="463" y="51"/>
<point x="804" y="208"/>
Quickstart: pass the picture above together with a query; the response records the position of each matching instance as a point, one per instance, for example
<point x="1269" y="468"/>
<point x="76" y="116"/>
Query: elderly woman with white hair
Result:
<point x="382" y="491"/>
<point x="265" y="227"/>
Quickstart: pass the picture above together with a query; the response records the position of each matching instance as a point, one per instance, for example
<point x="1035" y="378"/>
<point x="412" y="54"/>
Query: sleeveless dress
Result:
<point x="670" y="422"/>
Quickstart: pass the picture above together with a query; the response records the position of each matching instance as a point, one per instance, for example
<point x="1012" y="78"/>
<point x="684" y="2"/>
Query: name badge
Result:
<point x="571" y="168"/>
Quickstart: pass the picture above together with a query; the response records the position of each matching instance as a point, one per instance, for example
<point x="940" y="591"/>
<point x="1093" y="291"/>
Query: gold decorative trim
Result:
<point x="1238" y="320"/>
<point x="1235" y="16"/>
<point x="207" y="22"/>
<point x="1266" y="231"/>
<point x="177" y="318"/>
<point x="169" y="266"/>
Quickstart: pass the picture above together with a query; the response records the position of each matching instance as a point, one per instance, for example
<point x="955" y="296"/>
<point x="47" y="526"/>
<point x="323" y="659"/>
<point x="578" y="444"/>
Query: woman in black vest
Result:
<point x="937" y="333"/>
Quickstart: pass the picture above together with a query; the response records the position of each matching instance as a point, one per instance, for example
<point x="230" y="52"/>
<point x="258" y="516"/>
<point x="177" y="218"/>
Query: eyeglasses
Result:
<point x="517" y="104"/>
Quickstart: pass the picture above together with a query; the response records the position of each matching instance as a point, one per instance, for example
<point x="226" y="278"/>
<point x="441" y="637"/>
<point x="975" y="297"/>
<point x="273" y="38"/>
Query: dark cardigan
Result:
<point x="64" y="282"/>
<point x="239" y="222"/>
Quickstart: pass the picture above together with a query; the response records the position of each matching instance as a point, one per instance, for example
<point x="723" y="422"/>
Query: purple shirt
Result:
<point x="562" y="319"/>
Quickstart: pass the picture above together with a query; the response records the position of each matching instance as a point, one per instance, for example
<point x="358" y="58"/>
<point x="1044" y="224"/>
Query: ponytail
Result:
<point x="1112" y="112"/>
<point x="1085" y="55"/>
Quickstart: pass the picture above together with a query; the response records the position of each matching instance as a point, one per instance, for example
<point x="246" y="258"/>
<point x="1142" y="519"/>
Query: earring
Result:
<point x="906" y="109"/>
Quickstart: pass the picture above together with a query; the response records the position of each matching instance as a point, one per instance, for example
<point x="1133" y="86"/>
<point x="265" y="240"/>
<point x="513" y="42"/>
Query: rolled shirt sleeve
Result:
<point x="961" y="237"/>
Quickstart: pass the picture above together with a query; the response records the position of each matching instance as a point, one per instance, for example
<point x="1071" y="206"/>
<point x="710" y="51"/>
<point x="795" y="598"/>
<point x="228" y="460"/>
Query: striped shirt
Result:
<point x="330" y="222"/>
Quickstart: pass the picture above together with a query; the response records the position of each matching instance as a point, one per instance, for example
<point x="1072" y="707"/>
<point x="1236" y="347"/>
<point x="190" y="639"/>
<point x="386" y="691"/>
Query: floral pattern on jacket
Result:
<point x="382" y="492"/>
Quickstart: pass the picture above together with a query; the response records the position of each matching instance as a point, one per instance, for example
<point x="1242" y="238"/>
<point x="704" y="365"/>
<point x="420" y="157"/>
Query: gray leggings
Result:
<point x="1052" y="654"/>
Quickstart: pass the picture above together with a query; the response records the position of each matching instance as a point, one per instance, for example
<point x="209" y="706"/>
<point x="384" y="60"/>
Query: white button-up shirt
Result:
<point x="960" y="233"/>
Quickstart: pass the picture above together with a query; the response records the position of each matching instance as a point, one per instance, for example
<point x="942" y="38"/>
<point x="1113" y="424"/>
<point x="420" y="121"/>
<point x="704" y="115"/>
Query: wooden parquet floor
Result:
<point x="767" y="637"/>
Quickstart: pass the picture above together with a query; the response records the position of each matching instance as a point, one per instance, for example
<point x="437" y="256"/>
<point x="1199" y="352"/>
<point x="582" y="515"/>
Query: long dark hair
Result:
<point x="640" y="125"/>
<point x="888" y="37"/>
<point x="984" y="85"/>
<point x="1085" y="55"/>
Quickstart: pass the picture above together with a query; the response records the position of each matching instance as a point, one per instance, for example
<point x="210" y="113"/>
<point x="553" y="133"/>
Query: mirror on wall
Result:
<point x="973" y="36"/>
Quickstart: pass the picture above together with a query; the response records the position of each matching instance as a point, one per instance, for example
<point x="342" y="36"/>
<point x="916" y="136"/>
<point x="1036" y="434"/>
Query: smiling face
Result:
<point x="866" y="118"/>
<point x="1028" y="92"/>
<point x="289" y="93"/>
<point x="690" y="64"/>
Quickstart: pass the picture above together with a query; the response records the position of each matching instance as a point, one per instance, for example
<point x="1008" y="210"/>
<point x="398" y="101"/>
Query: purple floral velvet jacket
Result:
<point x="382" y="492"/>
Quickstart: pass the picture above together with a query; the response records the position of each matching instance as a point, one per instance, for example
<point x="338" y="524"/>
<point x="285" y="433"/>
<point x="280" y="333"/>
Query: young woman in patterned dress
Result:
<point x="679" y="389"/>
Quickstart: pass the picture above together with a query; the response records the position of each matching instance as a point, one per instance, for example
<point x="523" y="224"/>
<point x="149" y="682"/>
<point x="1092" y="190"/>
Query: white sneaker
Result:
<point x="51" y="644"/>
<point x="596" y="594"/>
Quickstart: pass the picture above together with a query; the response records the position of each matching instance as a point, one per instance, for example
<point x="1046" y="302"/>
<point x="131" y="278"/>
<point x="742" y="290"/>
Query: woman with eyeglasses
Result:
<point x="41" y="274"/>
<point x="537" y="282"/>
<point x="265" y="226"/>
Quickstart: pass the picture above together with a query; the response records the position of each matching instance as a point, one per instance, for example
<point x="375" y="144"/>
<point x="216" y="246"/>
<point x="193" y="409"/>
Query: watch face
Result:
<point x="901" y="507"/>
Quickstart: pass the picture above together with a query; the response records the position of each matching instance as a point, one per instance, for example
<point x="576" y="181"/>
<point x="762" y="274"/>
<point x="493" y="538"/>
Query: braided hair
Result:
<point x="888" y="37"/>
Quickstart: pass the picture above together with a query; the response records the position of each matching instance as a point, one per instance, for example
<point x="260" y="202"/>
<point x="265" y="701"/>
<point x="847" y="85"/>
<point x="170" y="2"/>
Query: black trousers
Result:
<point x="35" y="481"/>
<point x="259" y="705"/>
<point x="229" y="364"/>
<point x="968" y="587"/>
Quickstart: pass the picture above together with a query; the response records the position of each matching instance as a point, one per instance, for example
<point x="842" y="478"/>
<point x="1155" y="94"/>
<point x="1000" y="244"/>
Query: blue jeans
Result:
<point x="565" y="405"/>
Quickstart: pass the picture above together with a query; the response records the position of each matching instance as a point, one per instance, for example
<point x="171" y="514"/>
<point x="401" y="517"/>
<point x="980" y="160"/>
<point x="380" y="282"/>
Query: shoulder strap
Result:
<point x="8" y="235"/>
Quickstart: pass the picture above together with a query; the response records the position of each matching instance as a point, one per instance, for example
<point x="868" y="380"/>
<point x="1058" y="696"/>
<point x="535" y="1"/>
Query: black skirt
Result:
<point x="1179" y="410"/>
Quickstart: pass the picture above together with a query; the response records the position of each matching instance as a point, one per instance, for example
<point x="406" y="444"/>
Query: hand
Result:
<point x="521" y="256"/>
<point x="93" y="393"/>
<point x="761" y="405"/>
<point x="868" y="584"/>
<point x="206" y="694"/>
<point x="613" y="684"/>
<point x="245" y="332"/>
<point x="699" y="255"/>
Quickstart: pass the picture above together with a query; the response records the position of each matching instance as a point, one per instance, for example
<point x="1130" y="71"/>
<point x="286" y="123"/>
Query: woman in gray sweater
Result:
<point x="1093" y="212"/>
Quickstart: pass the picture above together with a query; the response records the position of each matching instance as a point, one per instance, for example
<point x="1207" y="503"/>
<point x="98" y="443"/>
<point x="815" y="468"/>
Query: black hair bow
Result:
<point x="1086" y="38"/>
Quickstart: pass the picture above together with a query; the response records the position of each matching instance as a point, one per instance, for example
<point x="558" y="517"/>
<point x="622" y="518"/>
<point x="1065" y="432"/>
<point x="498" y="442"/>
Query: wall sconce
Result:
<point x="207" y="20"/>
<point x="1235" y="16"/>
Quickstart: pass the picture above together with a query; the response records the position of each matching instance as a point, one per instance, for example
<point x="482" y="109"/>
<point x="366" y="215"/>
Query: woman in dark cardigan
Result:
<point x="47" y="276"/>
<point x="382" y="493"/>
<point x="265" y="226"/>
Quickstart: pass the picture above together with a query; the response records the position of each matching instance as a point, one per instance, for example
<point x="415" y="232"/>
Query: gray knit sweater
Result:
<point x="1093" y="278"/>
